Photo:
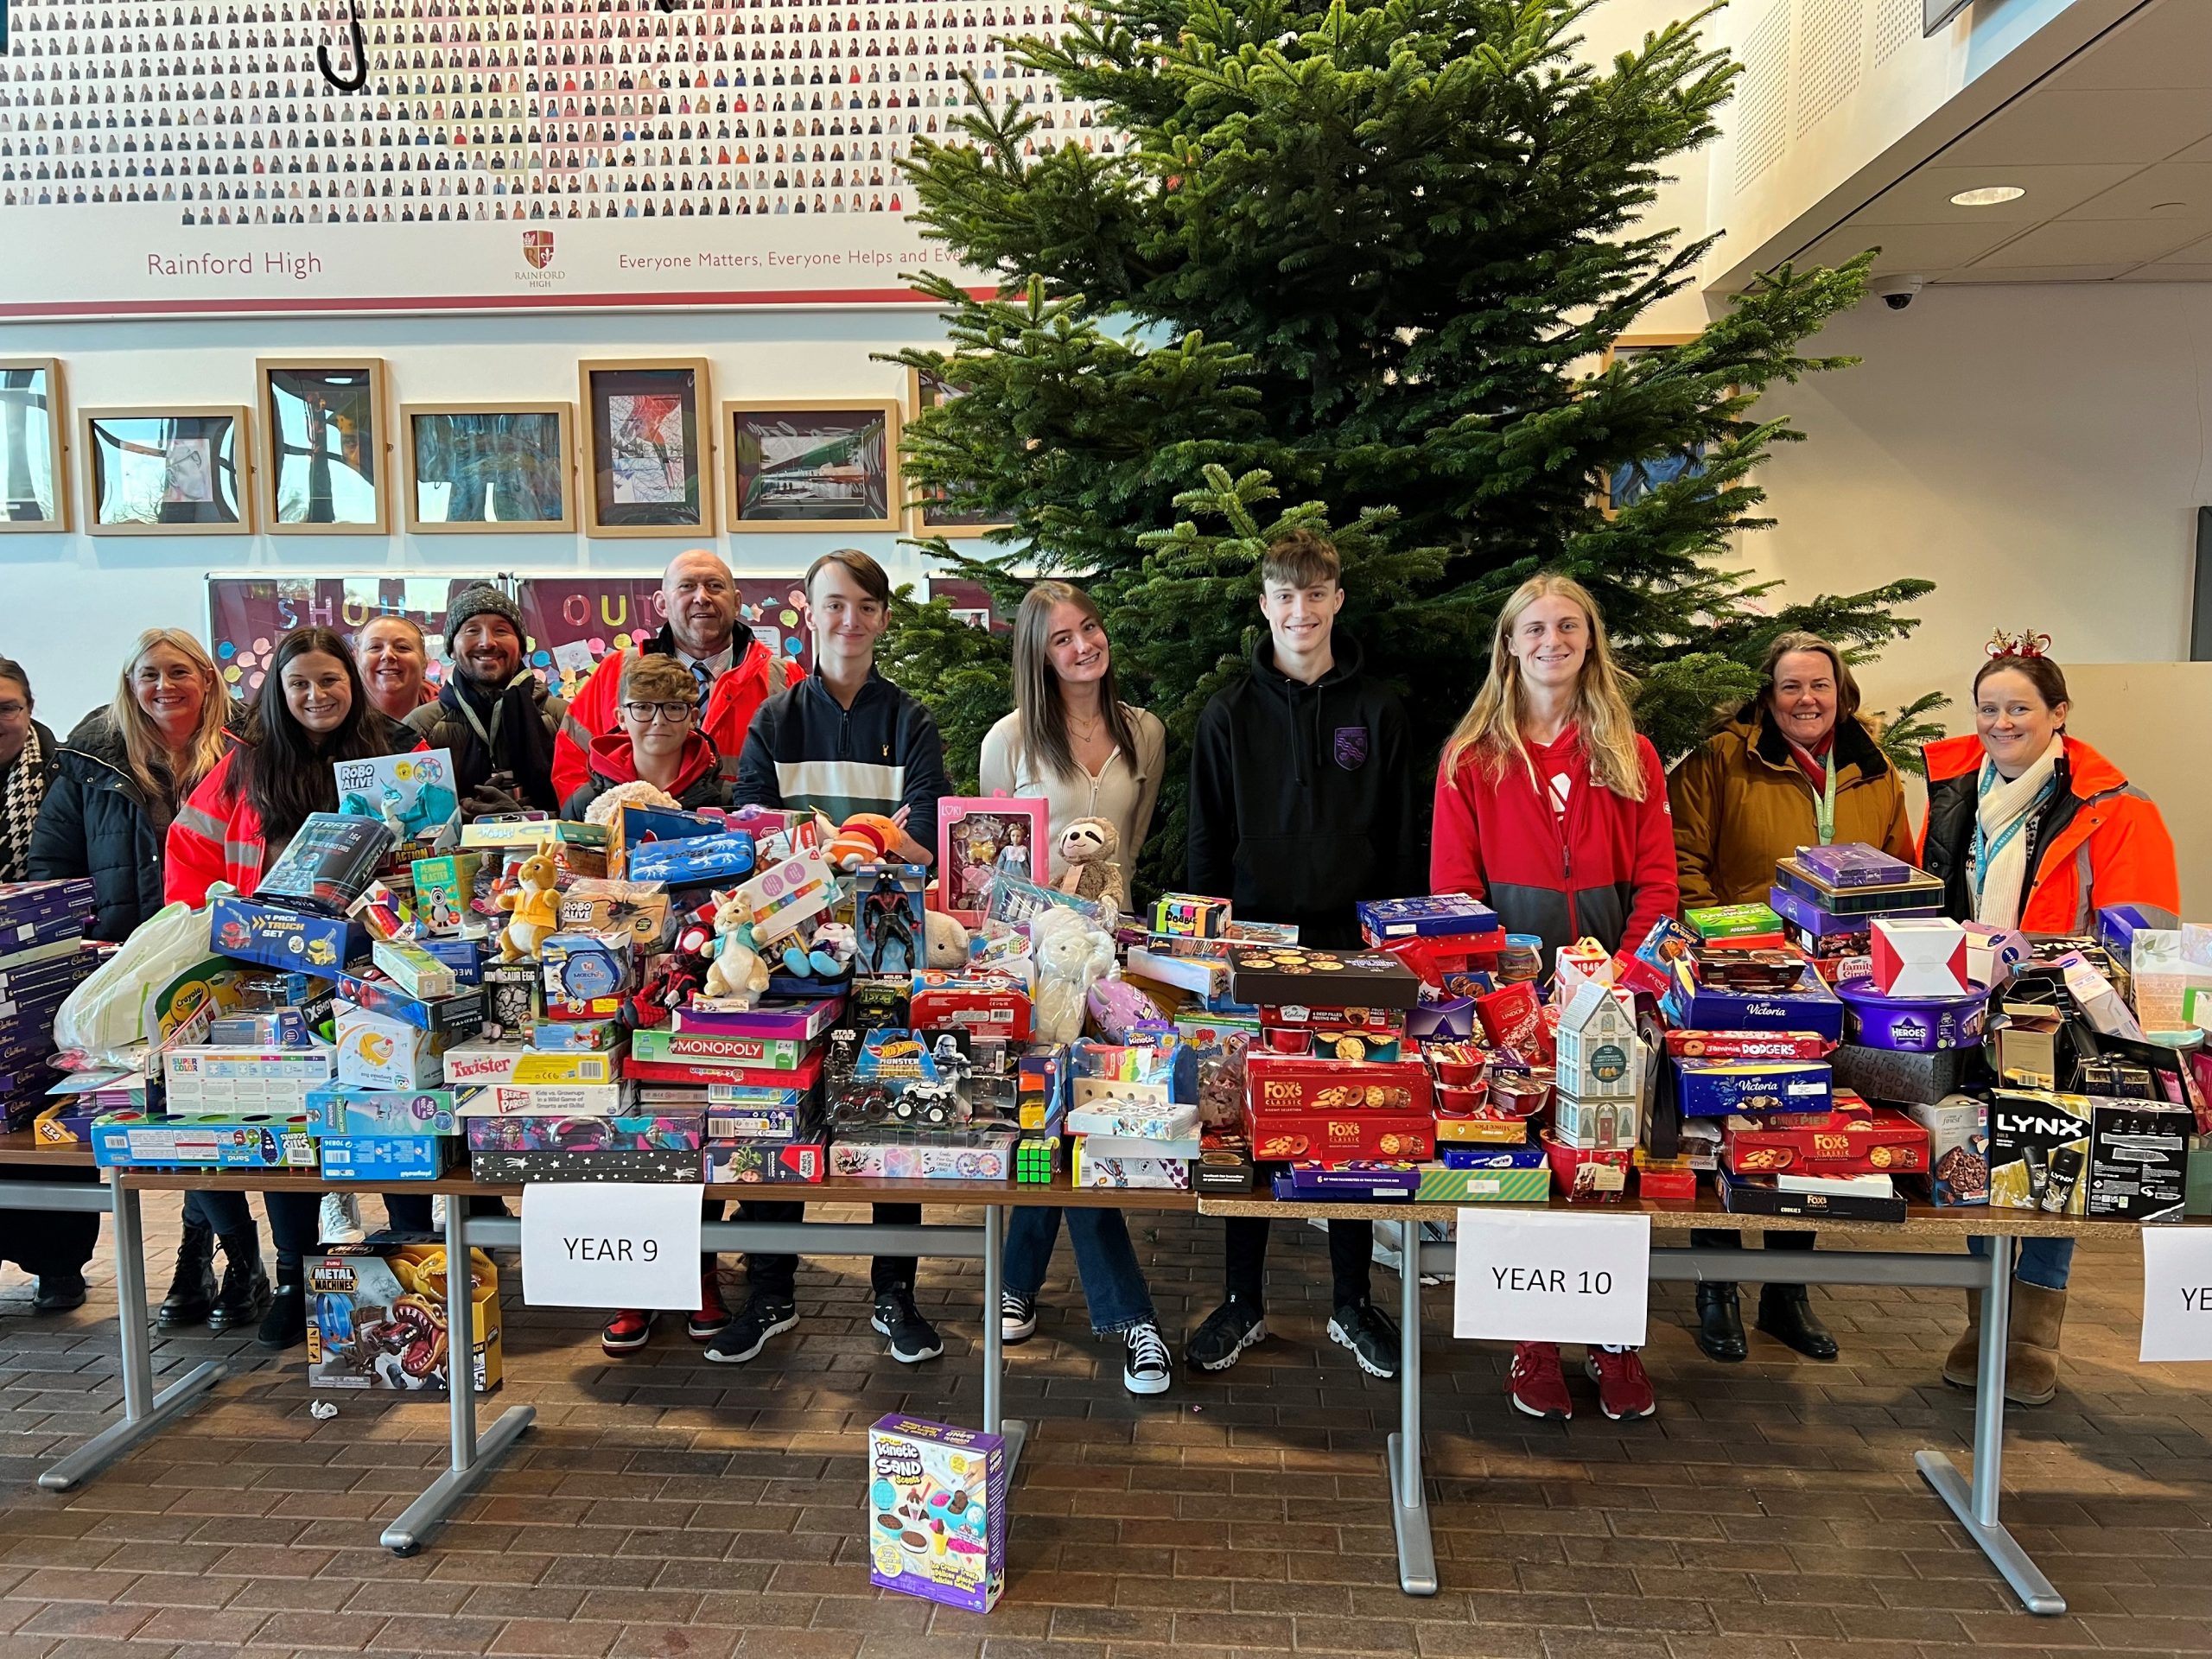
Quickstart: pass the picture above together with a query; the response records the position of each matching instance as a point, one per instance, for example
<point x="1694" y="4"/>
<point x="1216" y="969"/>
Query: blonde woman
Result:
<point x="124" y="773"/>
<point x="1552" y="810"/>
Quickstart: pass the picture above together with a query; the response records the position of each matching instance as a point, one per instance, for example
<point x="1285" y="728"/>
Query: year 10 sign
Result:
<point x="1535" y="1277"/>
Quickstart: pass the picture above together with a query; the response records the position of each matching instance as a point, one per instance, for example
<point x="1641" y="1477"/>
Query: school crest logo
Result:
<point x="537" y="248"/>
<point x="1351" y="747"/>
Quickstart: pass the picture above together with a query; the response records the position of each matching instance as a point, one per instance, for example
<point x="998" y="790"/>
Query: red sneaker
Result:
<point x="1535" y="1384"/>
<point x="712" y="1316"/>
<point x="626" y="1332"/>
<point x="1624" y="1390"/>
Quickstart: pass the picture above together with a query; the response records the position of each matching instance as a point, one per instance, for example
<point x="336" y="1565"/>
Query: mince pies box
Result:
<point x="937" y="1512"/>
<point x="2139" y="1159"/>
<point x="2038" y="1151"/>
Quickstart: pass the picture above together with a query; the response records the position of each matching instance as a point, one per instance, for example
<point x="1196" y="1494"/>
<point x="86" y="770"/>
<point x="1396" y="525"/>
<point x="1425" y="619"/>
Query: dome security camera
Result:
<point x="1896" y="292"/>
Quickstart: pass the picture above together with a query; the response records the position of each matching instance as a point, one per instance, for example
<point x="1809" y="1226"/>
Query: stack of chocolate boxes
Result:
<point x="43" y="957"/>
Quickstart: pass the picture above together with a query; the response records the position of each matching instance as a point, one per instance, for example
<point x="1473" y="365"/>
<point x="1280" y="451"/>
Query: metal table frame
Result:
<point x="145" y="1414"/>
<point x="1975" y="1506"/>
<point x="472" y="1457"/>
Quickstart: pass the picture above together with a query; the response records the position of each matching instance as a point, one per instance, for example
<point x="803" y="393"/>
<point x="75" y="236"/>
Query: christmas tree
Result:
<point x="1367" y="261"/>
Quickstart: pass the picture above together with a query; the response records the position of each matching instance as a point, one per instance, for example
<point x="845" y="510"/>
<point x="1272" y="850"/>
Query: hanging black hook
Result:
<point x="360" y="55"/>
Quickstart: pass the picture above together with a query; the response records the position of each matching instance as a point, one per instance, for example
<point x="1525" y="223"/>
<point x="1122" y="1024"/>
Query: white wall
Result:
<point x="69" y="604"/>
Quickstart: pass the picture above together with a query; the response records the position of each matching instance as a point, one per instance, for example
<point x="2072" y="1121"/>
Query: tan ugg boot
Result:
<point x="1961" y="1365"/>
<point x="2031" y="1356"/>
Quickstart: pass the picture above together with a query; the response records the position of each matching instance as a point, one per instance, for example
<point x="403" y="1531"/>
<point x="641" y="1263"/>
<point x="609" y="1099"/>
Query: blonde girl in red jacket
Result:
<point x="1552" y="810"/>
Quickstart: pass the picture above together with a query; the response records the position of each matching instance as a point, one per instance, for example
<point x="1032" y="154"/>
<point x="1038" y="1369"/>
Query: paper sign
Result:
<point x="2176" y="1293"/>
<point x="1545" y="1278"/>
<point x="610" y="1244"/>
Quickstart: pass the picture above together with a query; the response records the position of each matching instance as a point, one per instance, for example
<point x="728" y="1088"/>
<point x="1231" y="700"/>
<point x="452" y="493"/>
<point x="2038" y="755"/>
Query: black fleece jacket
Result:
<point x="1302" y="798"/>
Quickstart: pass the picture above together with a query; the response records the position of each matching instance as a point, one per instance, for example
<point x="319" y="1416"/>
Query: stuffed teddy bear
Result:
<point x="1088" y="847"/>
<point x="1071" y="955"/>
<point x="536" y="906"/>
<point x="636" y="792"/>
<point x="946" y="943"/>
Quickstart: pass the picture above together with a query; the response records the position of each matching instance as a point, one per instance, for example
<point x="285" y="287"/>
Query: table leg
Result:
<point x="1409" y="1494"/>
<point x="144" y="1412"/>
<point x="471" y="1457"/>
<point x="1015" y="1434"/>
<point x="1977" y="1509"/>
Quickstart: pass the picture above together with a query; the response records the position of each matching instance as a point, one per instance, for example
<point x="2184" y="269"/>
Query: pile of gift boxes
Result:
<point x="43" y="957"/>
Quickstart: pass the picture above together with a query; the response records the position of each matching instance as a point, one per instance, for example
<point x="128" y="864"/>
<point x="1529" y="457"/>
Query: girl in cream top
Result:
<point x="1070" y="741"/>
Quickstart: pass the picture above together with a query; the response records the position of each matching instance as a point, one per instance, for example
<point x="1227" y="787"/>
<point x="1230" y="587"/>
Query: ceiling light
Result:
<point x="1988" y="195"/>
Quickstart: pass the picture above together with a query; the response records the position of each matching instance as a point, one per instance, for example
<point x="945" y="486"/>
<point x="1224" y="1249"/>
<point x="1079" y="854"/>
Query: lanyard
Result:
<point x="491" y="739"/>
<point x="1984" y="849"/>
<point x="1824" y="805"/>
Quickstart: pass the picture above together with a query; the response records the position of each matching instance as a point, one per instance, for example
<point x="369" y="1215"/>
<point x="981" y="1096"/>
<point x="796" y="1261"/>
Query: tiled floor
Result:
<point x="664" y="1507"/>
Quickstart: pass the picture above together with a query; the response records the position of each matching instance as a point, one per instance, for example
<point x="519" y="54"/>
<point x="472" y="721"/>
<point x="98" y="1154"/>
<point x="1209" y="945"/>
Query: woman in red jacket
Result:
<point x="1552" y="810"/>
<point x="312" y="711"/>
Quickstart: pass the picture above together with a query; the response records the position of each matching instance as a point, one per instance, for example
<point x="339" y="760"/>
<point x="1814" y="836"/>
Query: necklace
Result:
<point x="1097" y="725"/>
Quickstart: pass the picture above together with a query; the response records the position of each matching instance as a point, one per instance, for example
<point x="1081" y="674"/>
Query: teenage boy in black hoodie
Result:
<point x="1302" y="804"/>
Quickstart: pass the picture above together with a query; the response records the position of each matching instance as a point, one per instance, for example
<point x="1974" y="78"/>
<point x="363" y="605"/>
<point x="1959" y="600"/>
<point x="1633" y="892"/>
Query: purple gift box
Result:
<point x="1854" y="864"/>
<point x="937" y="1512"/>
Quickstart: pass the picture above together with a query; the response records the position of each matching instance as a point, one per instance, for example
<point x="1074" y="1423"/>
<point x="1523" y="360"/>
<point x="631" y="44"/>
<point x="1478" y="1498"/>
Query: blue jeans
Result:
<point x="1113" y="1283"/>
<point x="2043" y="1262"/>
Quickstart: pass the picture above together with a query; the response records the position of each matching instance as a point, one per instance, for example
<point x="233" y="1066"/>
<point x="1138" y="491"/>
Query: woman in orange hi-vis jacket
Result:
<point x="311" y="712"/>
<point x="2030" y="827"/>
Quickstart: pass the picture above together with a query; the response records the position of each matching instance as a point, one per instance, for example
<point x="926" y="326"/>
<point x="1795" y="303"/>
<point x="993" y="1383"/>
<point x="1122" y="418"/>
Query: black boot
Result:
<point x="245" y="1295"/>
<point x="287" y="1324"/>
<point x="1720" y="1323"/>
<point x="192" y="1292"/>
<point x="1786" y="1314"/>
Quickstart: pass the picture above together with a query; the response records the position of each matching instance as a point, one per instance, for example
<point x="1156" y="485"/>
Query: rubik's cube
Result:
<point x="1036" y="1160"/>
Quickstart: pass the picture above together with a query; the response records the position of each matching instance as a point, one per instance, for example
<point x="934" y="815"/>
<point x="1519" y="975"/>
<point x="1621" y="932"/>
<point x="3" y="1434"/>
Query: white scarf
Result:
<point x="2003" y="815"/>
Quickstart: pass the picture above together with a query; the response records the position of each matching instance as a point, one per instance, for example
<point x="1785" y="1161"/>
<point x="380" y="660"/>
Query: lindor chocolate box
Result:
<point x="2139" y="1159"/>
<point x="1311" y="978"/>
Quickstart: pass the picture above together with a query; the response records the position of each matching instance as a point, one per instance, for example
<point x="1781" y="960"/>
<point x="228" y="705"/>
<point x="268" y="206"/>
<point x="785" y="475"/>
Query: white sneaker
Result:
<point x="1146" y="1366"/>
<point x="339" y="1220"/>
<point x="438" y="1211"/>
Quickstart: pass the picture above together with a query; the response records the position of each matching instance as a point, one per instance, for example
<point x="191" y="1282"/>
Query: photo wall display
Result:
<point x="167" y="472"/>
<point x="34" y="445"/>
<point x="182" y="157"/>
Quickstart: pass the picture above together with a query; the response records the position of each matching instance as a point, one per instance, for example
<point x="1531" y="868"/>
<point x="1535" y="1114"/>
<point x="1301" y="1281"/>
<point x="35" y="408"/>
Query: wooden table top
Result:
<point x="24" y="1148"/>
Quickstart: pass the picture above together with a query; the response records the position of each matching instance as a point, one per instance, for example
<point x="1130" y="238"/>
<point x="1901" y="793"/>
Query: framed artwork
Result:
<point x="931" y="517"/>
<point x="322" y="446"/>
<point x="981" y="837"/>
<point x="166" y="472"/>
<point x="1633" y="481"/>
<point x="474" y="469"/>
<point x="34" y="445"/>
<point x="801" y="461"/>
<point x="646" y="447"/>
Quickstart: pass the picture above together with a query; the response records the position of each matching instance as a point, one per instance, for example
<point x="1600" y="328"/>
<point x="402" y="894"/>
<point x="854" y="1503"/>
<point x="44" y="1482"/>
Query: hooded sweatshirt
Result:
<point x="1302" y="798"/>
<point x="614" y="760"/>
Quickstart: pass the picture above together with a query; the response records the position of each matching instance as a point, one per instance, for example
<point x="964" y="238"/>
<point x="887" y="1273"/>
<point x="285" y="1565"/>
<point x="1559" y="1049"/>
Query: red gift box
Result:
<point x="1853" y="1140"/>
<point x="984" y="1002"/>
<point x="1334" y="1137"/>
<point x="1512" y="1018"/>
<point x="1276" y="1083"/>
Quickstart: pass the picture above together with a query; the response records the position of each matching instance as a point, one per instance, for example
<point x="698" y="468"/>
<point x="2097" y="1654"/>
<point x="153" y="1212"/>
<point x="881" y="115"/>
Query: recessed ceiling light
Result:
<point x="1988" y="195"/>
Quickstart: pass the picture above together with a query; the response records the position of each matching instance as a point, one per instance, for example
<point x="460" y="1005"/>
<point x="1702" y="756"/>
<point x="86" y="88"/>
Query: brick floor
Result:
<point x="664" y="1509"/>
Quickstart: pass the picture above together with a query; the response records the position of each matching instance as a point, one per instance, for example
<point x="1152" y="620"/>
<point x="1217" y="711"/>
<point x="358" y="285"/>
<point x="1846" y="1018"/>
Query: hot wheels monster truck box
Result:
<point x="377" y="1317"/>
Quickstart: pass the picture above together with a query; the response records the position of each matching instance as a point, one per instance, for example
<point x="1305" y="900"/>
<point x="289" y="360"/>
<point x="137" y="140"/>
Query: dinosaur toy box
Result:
<point x="376" y="1318"/>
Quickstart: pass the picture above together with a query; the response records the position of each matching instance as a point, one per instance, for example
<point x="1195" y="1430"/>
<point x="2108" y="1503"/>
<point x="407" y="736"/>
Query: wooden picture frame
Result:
<point x="483" y="452"/>
<point x="313" y="408"/>
<point x="31" y="395"/>
<point x="628" y="485"/>
<point x="924" y="393"/>
<point x="175" y="462"/>
<point x="812" y="463"/>
<point x="1609" y="486"/>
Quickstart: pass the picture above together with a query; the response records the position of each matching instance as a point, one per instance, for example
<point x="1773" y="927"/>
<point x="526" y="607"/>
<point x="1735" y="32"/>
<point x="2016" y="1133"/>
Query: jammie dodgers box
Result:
<point x="937" y="1512"/>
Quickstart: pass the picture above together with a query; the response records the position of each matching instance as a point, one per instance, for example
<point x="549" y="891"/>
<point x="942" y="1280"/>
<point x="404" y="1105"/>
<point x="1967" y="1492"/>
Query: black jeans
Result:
<point x="295" y="1226"/>
<point x="1727" y="1238"/>
<point x="50" y="1242"/>
<point x="1352" y="1253"/>
<point x="226" y="1215"/>
<point x="774" y="1276"/>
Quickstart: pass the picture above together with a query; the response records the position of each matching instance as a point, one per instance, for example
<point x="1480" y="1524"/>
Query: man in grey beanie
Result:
<point x="494" y="714"/>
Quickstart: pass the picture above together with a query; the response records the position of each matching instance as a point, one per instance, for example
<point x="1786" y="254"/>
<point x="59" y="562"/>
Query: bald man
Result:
<point x="735" y="672"/>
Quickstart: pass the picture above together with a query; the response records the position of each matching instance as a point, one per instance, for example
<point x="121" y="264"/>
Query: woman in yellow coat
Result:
<point x="1795" y="767"/>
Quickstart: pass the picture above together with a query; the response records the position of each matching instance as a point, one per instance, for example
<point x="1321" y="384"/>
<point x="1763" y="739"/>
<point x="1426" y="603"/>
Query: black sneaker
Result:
<point x="913" y="1338"/>
<point x="744" y="1337"/>
<point x="1146" y="1366"/>
<point x="1228" y="1331"/>
<point x="1017" y="1318"/>
<point x="1372" y="1339"/>
<point x="59" y="1292"/>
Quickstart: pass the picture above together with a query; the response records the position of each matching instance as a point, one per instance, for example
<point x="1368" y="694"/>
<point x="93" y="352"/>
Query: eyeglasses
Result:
<point x="675" y="713"/>
<point x="14" y="710"/>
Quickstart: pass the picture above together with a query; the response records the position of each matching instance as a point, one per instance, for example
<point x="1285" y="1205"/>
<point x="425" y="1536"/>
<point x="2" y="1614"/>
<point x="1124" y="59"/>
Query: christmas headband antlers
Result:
<point x="2029" y="644"/>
